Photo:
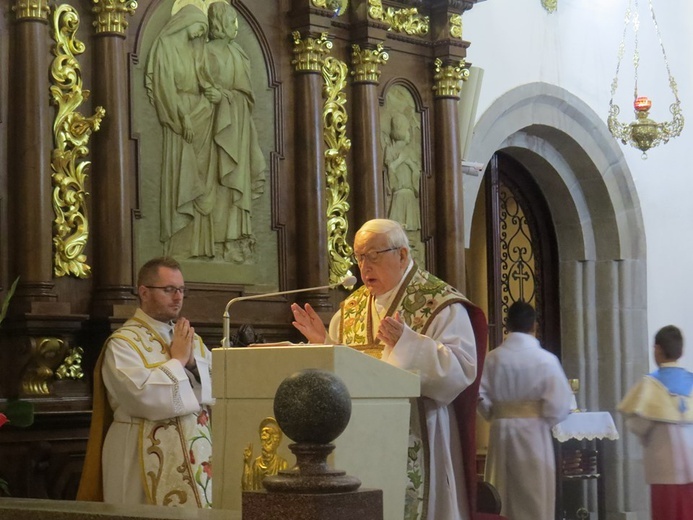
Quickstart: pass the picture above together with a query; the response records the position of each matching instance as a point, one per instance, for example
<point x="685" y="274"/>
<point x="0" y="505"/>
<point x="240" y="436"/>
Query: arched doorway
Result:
<point x="594" y="206"/>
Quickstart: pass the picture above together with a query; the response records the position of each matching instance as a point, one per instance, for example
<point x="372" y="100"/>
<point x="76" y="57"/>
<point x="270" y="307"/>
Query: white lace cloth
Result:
<point x="586" y="425"/>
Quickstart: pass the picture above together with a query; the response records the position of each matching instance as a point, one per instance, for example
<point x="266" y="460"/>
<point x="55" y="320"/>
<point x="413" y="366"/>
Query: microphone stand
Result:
<point x="347" y="282"/>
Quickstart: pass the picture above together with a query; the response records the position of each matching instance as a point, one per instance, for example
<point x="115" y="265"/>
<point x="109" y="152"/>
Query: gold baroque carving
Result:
<point x="456" y="26"/>
<point x="447" y="78"/>
<point x="550" y="5"/>
<point x="71" y="367"/>
<point x="407" y="21"/>
<point x="31" y="9"/>
<point x="366" y="63"/>
<point x="334" y="73"/>
<point x="71" y="132"/>
<point x="309" y="53"/>
<point x="46" y="353"/>
<point x="110" y="15"/>
<point x="338" y="6"/>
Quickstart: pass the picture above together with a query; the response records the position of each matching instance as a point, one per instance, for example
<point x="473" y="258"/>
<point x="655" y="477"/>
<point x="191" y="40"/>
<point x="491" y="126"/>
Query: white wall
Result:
<point x="518" y="42"/>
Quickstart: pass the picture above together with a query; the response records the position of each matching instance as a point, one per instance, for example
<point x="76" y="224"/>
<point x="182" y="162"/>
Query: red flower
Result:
<point x="203" y="418"/>
<point x="3" y="419"/>
<point x="207" y="468"/>
<point x="192" y="457"/>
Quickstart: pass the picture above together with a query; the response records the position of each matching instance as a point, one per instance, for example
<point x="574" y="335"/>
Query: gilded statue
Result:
<point x="268" y="462"/>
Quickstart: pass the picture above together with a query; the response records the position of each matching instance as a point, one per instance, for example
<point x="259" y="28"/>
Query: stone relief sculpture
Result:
<point x="402" y="146"/>
<point x="402" y="174"/>
<point x="268" y="462"/>
<point x="198" y="80"/>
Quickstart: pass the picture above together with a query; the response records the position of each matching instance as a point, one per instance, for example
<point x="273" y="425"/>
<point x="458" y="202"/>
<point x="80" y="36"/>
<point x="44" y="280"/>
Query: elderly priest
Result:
<point x="410" y="319"/>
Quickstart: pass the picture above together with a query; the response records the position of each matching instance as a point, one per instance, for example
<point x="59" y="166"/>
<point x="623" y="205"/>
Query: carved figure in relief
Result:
<point x="187" y="180"/>
<point x="212" y="165"/>
<point x="268" y="463"/>
<point x="240" y="164"/>
<point x="403" y="174"/>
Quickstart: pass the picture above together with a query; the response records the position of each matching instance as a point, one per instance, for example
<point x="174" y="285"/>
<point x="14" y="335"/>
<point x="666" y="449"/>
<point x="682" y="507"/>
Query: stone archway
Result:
<point x="601" y="246"/>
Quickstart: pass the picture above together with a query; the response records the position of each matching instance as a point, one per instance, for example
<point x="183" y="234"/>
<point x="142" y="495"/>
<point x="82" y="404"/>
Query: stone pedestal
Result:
<point x="364" y="504"/>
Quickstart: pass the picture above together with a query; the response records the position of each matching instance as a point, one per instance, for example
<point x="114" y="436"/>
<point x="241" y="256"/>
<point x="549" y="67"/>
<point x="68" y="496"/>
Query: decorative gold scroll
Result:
<point x="407" y="21"/>
<point x="456" y="26"/>
<point x="31" y="9"/>
<point x="550" y="5"/>
<point x="45" y="355"/>
<point x="71" y="131"/>
<point x="335" y="73"/>
<point x="71" y="367"/>
<point x="446" y="81"/>
<point x="338" y="6"/>
<point x="309" y="53"/>
<point x="366" y="63"/>
<point x="110" y="15"/>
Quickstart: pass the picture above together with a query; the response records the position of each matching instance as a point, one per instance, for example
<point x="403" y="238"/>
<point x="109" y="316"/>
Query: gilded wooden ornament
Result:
<point x="338" y="6"/>
<point x="71" y="132"/>
<point x="456" y="26"/>
<point x="309" y="53"/>
<point x="405" y="20"/>
<point x="447" y="79"/>
<point x="71" y="367"/>
<point x="366" y="63"/>
<point x="111" y="15"/>
<point x="46" y="354"/>
<point x="335" y="117"/>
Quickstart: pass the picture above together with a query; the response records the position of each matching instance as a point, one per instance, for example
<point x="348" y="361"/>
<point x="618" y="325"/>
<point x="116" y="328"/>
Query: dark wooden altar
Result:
<point x="67" y="302"/>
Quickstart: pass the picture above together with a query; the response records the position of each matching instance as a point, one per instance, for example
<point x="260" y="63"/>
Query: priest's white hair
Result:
<point x="393" y="229"/>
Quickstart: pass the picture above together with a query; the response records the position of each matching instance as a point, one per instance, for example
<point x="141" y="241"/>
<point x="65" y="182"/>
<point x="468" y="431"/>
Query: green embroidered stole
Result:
<point x="419" y="299"/>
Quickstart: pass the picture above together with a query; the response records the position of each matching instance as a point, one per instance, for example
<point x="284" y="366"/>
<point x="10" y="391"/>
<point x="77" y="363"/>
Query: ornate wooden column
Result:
<point x="369" y="189"/>
<point x="449" y="51"/>
<point x="29" y="156"/>
<point x="311" y="203"/>
<point x="112" y="181"/>
<point x="449" y="197"/>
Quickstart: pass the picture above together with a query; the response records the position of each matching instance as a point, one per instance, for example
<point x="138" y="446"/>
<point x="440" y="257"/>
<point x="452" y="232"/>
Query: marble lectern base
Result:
<point x="363" y="504"/>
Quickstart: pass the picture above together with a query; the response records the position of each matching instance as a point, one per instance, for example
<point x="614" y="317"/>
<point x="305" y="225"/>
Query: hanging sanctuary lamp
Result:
<point x="643" y="133"/>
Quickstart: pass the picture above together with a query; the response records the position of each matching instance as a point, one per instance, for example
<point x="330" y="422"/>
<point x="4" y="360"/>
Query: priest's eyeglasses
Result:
<point x="372" y="256"/>
<point x="170" y="290"/>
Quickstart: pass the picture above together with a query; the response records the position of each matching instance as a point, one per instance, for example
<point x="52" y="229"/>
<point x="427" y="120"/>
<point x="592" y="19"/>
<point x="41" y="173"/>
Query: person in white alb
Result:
<point x="524" y="392"/>
<point x="410" y="319"/>
<point x="152" y="389"/>
<point x="659" y="410"/>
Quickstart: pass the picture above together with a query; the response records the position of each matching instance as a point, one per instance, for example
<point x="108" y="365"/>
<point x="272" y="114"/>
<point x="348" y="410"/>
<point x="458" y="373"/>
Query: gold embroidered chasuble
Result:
<point x="419" y="299"/>
<point x="175" y="453"/>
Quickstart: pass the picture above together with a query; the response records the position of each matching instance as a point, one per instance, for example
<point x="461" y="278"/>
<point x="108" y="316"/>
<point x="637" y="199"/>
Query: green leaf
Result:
<point x="20" y="413"/>
<point x="4" y="488"/>
<point x="8" y="297"/>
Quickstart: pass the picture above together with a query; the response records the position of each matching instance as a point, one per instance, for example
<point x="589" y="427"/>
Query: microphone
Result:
<point x="348" y="282"/>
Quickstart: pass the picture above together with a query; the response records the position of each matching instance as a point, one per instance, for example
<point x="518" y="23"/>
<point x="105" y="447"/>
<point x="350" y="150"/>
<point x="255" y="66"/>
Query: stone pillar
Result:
<point x="369" y="189"/>
<point x="311" y="203"/>
<point x="112" y="184"/>
<point x="448" y="169"/>
<point x="29" y="157"/>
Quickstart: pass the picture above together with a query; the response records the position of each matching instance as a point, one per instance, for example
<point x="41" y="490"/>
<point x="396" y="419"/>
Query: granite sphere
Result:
<point x="312" y="406"/>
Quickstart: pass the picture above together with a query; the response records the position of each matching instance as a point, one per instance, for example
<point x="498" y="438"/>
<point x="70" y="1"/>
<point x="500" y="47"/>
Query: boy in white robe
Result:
<point x="659" y="410"/>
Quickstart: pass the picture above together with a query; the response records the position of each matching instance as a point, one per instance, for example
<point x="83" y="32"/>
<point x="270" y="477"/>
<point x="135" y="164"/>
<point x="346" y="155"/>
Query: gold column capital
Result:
<point x="110" y="15"/>
<point x="550" y="5"/>
<point x="24" y="9"/>
<point x="447" y="78"/>
<point x="366" y="63"/>
<point x="309" y="52"/>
